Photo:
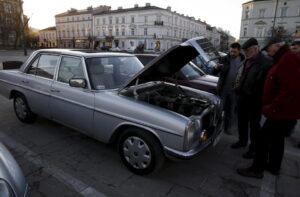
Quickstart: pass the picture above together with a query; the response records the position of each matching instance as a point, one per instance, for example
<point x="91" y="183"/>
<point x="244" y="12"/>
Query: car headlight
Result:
<point x="190" y="135"/>
<point x="5" y="189"/>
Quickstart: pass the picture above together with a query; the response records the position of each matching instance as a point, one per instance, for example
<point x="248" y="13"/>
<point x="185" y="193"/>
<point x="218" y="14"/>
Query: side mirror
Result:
<point x="78" y="83"/>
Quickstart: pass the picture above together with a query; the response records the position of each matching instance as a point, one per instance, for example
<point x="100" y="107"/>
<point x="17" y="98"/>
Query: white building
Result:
<point x="157" y="28"/>
<point x="47" y="37"/>
<point x="74" y="27"/>
<point x="259" y="19"/>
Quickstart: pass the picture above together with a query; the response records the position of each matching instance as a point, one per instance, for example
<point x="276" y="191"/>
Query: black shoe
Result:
<point x="248" y="155"/>
<point x="272" y="170"/>
<point x="238" y="145"/>
<point x="250" y="172"/>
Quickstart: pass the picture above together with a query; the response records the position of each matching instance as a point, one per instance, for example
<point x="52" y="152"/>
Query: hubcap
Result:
<point x="137" y="152"/>
<point x="21" y="108"/>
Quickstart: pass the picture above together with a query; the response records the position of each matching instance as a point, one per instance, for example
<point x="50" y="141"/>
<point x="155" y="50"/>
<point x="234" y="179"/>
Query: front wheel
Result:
<point x="140" y="151"/>
<point x="22" y="109"/>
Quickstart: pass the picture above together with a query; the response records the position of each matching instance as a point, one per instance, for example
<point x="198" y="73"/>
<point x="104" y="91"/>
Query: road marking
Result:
<point x="65" y="178"/>
<point x="268" y="186"/>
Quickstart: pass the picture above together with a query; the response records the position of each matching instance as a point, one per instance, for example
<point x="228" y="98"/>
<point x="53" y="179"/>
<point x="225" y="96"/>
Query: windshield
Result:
<point x="191" y="71"/>
<point x="111" y="72"/>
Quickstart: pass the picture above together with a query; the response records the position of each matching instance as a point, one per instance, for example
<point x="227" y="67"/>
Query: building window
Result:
<point x="123" y="19"/>
<point x="283" y="12"/>
<point x="132" y="31"/>
<point x="245" y="31"/>
<point x="123" y="32"/>
<point x="103" y="21"/>
<point x="117" y="32"/>
<point x="117" y="20"/>
<point x="7" y="8"/>
<point x="246" y="14"/>
<point x="103" y="32"/>
<point x="97" y="21"/>
<point x="110" y="32"/>
<point x="145" y="31"/>
<point x="262" y="13"/>
<point x="110" y="20"/>
<point x="260" y="31"/>
<point x="132" y="19"/>
<point x="299" y="11"/>
<point x="146" y="19"/>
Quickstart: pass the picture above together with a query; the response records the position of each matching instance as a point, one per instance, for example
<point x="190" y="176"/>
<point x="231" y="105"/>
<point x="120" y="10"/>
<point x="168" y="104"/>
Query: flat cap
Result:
<point x="270" y="41"/>
<point x="249" y="43"/>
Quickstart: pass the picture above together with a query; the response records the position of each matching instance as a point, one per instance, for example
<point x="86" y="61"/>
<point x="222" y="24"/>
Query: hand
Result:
<point x="218" y="66"/>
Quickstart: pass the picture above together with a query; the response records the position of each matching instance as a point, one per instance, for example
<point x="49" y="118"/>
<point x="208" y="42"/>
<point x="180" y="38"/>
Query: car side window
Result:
<point x="46" y="66"/>
<point x="33" y="67"/>
<point x="70" y="67"/>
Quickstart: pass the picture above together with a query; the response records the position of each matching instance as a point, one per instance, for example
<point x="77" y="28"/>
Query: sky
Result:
<point x="220" y="13"/>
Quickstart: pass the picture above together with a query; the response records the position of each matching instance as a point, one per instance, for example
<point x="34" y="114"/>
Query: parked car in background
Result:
<point x="190" y="75"/>
<point x="114" y="99"/>
<point x="12" y="180"/>
<point x="208" y="55"/>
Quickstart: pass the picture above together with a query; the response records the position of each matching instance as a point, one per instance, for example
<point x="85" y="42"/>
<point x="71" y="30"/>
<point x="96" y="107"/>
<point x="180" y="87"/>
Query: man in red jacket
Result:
<point x="281" y="107"/>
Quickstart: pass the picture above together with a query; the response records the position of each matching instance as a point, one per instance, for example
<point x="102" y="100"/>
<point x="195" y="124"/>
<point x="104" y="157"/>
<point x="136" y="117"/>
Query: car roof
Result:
<point x="83" y="52"/>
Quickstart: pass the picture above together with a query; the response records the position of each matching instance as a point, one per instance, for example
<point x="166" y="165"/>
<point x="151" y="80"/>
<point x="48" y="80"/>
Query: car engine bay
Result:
<point x="171" y="97"/>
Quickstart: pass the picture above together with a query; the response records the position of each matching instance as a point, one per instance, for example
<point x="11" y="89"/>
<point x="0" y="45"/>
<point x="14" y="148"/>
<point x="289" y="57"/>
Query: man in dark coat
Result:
<point x="249" y="85"/>
<point x="227" y="69"/>
<point x="281" y="107"/>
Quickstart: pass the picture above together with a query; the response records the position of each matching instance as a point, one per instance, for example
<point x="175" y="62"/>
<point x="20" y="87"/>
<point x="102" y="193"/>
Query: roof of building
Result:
<point x="120" y="10"/>
<point x="88" y="10"/>
<point x="254" y="1"/>
<point x="49" y="28"/>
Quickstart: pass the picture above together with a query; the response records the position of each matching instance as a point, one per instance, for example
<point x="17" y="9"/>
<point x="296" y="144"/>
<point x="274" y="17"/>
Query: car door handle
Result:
<point x="54" y="90"/>
<point x="25" y="81"/>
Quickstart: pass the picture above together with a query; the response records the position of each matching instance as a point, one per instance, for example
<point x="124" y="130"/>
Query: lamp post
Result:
<point x="274" y="20"/>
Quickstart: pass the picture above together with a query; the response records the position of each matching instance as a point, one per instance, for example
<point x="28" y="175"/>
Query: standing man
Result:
<point x="295" y="47"/>
<point x="281" y="106"/>
<point x="249" y="85"/>
<point x="228" y="68"/>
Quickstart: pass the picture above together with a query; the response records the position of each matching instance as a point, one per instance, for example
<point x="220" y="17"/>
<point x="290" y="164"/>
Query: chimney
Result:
<point x="120" y="8"/>
<point x="136" y="5"/>
<point x="148" y="4"/>
<point x="169" y="8"/>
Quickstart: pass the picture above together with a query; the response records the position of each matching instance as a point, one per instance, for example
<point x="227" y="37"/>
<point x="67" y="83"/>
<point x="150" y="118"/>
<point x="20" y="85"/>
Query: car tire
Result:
<point x="140" y="151"/>
<point x="22" y="110"/>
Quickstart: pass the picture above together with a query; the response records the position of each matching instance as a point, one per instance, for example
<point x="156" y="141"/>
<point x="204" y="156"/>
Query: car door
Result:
<point x="38" y="80"/>
<point x="72" y="106"/>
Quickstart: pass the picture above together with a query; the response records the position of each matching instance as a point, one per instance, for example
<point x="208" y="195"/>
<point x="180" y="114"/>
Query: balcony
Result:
<point x="159" y="23"/>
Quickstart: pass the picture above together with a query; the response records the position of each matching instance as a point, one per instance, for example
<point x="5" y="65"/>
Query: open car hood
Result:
<point x="165" y="65"/>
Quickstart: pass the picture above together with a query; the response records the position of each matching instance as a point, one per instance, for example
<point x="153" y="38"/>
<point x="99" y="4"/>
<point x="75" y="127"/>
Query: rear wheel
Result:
<point x="140" y="151"/>
<point x="22" y="109"/>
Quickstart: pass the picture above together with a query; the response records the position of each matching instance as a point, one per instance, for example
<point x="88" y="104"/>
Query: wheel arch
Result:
<point x="13" y="93"/>
<point x="121" y="128"/>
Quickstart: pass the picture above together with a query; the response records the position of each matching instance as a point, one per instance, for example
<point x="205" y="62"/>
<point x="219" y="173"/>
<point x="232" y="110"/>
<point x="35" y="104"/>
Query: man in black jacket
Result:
<point x="249" y="86"/>
<point x="227" y="70"/>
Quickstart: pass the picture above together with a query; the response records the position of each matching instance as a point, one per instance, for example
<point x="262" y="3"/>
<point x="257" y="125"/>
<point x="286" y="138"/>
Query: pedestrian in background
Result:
<point x="249" y="86"/>
<point x="139" y="49"/>
<point x="281" y="107"/>
<point x="227" y="69"/>
<point x="295" y="47"/>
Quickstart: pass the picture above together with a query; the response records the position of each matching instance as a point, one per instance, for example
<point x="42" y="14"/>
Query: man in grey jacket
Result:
<point x="249" y="86"/>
